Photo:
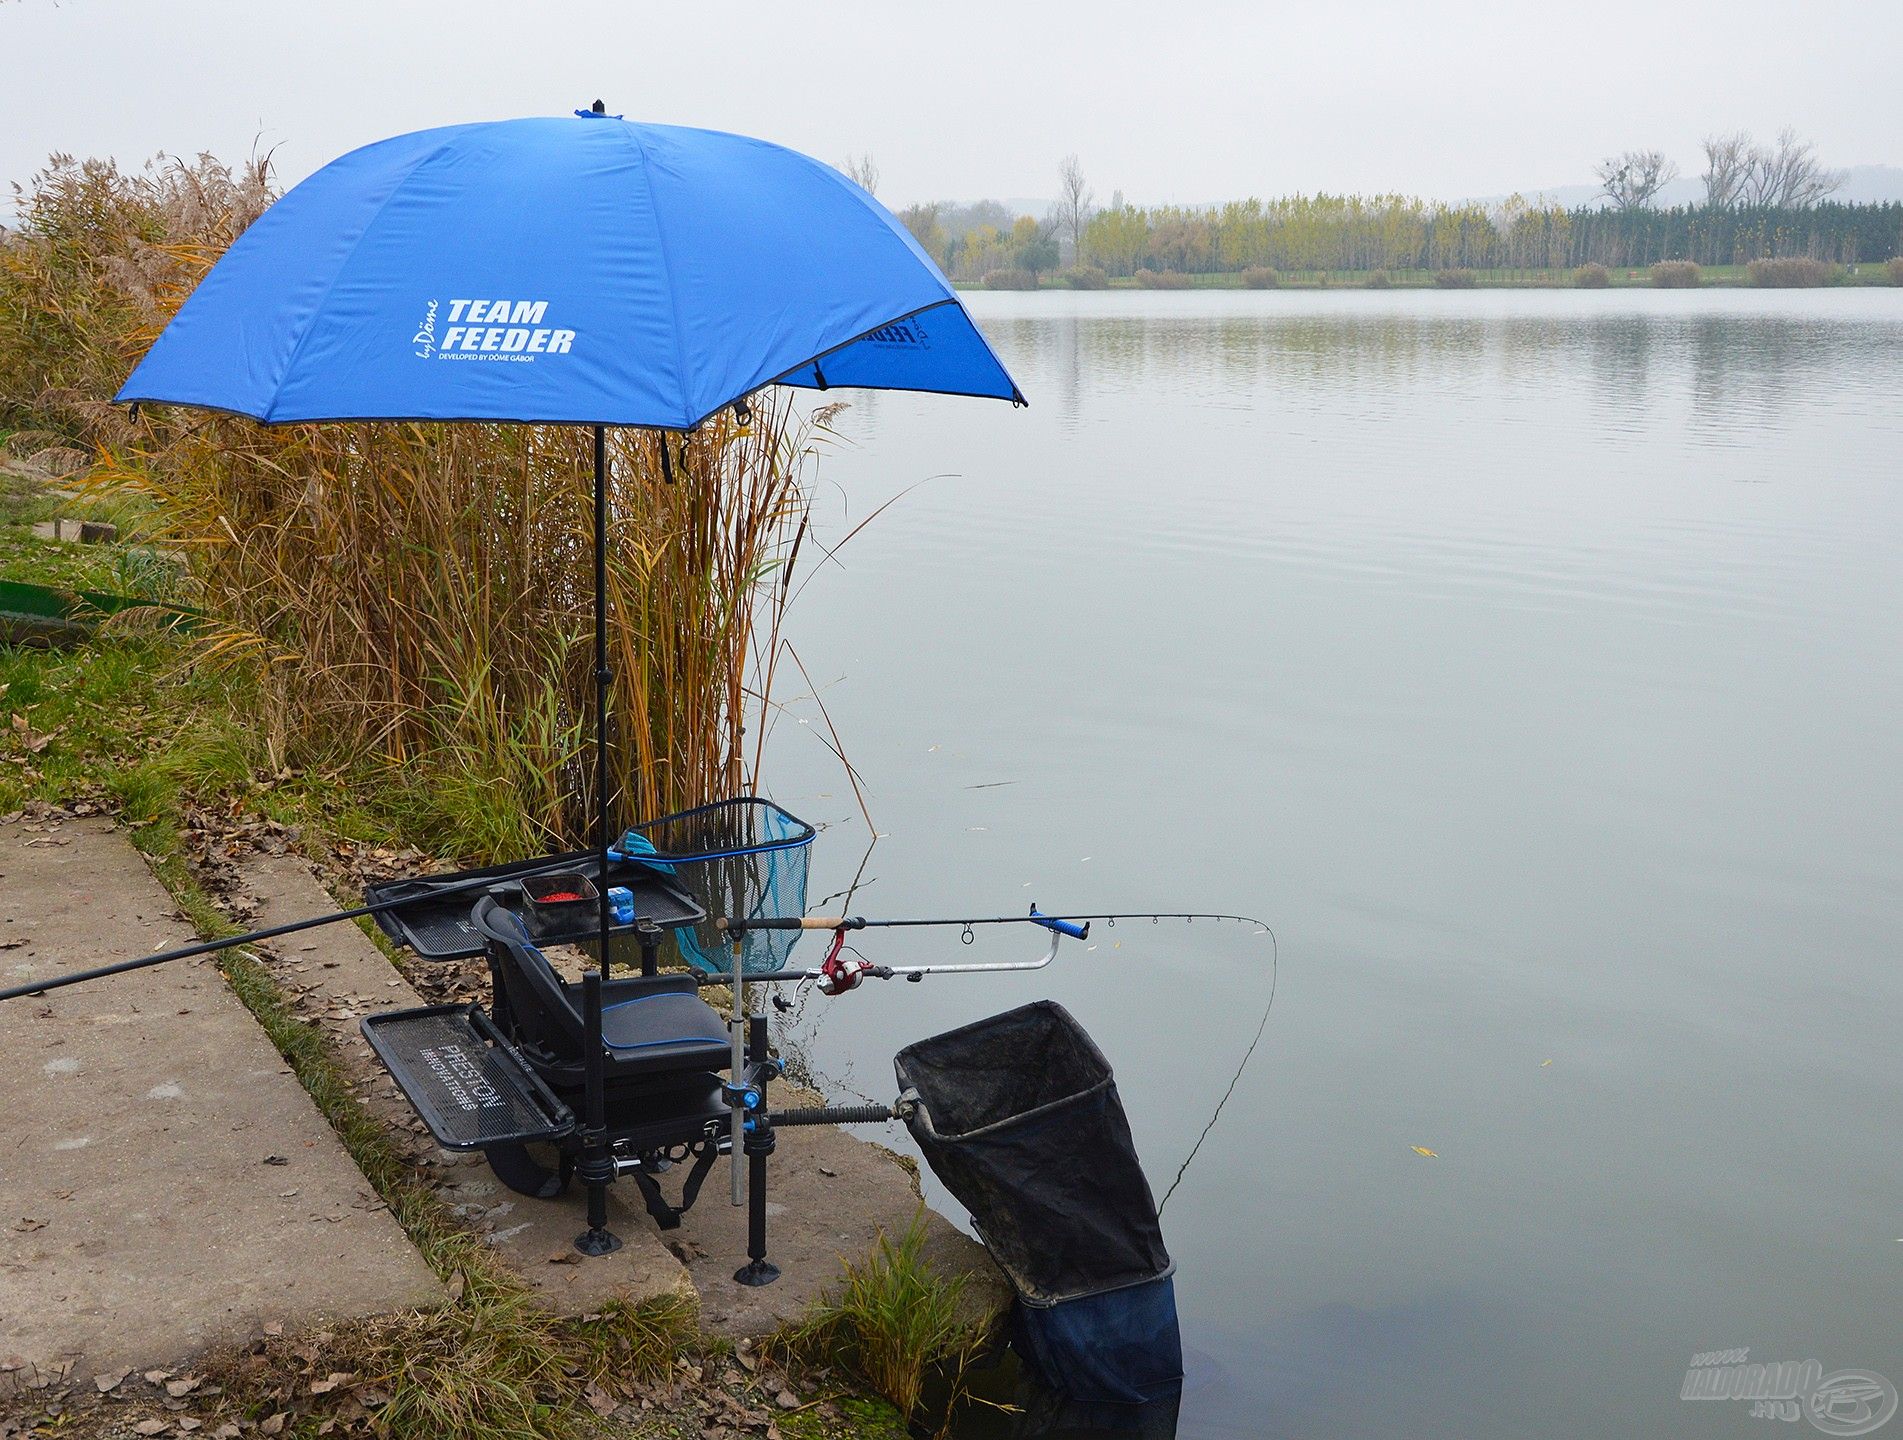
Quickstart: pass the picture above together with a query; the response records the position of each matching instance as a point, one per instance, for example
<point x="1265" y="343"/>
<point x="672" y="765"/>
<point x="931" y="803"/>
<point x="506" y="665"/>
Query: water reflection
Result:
<point x="1530" y="660"/>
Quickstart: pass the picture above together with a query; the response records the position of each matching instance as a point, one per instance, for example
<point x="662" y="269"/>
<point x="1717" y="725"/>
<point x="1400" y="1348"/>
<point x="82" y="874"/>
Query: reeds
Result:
<point x="1675" y="275"/>
<point x="1161" y="280"/>
<point x="894" y="1321"/>
<point x="417" y="598"/>
<point x="1795" y="272"/>
<point x="1010" y="279"/>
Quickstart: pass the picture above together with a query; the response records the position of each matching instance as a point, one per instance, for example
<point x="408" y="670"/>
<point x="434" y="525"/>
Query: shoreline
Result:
<point x="1711" y="277"/>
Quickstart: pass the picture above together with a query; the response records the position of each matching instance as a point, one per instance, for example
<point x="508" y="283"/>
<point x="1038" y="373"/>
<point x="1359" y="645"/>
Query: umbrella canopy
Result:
<point x="588" y="270"/>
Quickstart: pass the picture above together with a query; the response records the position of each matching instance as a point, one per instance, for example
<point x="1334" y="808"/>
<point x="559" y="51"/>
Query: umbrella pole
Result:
<point x="601" y="686"/>
<point x="597" y="1167"/>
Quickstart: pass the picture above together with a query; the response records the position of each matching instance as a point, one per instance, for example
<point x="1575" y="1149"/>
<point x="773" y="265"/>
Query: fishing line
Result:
<point x="842" y="923"/>
<point x="1275" y="975"/>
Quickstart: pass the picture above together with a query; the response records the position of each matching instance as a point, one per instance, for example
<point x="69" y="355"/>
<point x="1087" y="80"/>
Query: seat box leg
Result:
<point x="597" y="1167"/>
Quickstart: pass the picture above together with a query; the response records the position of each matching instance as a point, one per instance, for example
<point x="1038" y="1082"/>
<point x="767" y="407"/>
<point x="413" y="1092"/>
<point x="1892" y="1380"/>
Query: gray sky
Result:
<point x="1185" y="102"/>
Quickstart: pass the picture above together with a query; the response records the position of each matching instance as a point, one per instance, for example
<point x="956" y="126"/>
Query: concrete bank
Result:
<point x="165" y="1182"/>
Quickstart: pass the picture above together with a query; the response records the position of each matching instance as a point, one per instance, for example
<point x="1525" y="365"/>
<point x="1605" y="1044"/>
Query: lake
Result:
<point x="1533" y="663"/>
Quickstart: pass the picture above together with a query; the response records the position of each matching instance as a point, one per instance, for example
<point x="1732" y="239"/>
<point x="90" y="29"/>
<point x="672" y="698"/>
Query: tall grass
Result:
<point x="1161" y="280"/>
<point x="1010" y="279"/>
<point x="894" y="1321"/>
<point x="1796" y="272"/>
<point x="1675" y="275"/>
<point x="415" y="596"/>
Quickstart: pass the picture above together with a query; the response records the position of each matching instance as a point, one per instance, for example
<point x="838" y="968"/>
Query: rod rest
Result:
<point x="834" y="1115"/>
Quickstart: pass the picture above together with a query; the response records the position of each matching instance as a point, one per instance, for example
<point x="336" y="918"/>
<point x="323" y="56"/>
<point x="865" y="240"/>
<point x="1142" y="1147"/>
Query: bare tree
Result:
<point x="1728" y="164"/>
<point x="1788" y="175"/>
<point x="1074" y="197"/>
<point x="863" y="171"/>
<point x="1630" y="180"/>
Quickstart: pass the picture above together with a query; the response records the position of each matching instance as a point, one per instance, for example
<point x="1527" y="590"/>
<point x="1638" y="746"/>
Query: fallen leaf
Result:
<point x="188" y="1424"/>
<point x="331" y="1382"/>
<point x="157" y="1377"/>
<point x="151" y="1427"/>
<point x="1423" y="1150"/>
<point x="564" y="1257"/>
<point x="176" y="1388"/>
<point x="786" y="1399"/>
<point x="274" y="1423"/>
<point x="274" y="1327"/>
<point x="106" y="1383"/>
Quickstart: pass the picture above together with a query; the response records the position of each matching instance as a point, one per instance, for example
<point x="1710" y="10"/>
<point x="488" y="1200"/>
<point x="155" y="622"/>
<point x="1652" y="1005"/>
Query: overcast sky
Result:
<point x="1184" y="102"/>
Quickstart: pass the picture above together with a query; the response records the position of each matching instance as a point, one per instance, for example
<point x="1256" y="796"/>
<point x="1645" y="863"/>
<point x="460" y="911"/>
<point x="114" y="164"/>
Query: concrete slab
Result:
<point x="830" y="1194"/>
<point x="830" y="1191"/>
<point x="165" y="1182"/>
<point x="336" y="976"/>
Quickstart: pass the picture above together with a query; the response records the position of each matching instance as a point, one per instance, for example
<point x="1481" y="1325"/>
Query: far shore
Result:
<point x="1617" y="278"/>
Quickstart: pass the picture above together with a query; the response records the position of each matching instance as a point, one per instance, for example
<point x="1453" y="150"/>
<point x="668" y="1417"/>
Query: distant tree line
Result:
<point x="1391" y="232"/>
<point x="1761" y="202"/>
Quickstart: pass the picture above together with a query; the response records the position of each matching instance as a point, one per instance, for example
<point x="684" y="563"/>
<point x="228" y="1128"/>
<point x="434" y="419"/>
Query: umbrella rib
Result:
<point x="667" y="267"/>
<point x="310" y="324"/>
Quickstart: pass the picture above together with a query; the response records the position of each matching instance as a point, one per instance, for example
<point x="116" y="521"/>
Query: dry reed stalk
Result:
<point x="417" y="596"/>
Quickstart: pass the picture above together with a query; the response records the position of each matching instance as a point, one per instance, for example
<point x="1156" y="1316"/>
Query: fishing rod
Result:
<point x="836" y="977"/>
<point x="419" y="890"/>
<point x="1036" y="917"/>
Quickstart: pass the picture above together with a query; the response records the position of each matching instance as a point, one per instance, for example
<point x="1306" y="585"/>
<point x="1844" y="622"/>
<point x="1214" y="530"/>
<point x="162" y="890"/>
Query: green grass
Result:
<point x="895" y="1323"/>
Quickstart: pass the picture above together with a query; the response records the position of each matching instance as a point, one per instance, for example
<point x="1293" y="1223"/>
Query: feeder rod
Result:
<point x="1049" y="922"/>
<point x="253" y="937"/>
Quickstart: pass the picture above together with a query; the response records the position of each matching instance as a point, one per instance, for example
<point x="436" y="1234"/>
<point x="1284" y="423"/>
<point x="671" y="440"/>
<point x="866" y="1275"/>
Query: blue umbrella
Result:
<point x="588" y="271"/>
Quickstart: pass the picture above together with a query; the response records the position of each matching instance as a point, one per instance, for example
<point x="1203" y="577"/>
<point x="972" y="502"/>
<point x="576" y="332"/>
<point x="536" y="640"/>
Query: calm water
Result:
<point x="1533" y="663"/>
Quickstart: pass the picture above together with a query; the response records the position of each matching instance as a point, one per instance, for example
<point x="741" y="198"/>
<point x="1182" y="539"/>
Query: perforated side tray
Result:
<point x="465" y="1082"/>
<point x="435" y="925"/>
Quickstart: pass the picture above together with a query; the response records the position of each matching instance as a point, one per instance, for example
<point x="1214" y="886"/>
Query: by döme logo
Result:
<point x="425" y="337"/>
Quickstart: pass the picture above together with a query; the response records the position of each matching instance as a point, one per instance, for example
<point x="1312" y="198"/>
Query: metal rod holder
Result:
<point x="758" y="1146"/>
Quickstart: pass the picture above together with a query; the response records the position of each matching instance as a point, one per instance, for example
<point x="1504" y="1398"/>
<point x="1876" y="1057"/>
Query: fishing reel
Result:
<point x="840" y="972"/>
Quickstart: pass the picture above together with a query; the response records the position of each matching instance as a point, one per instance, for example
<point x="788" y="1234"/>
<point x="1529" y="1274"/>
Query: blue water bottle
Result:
<point x="621" y="903"/>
